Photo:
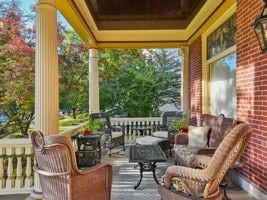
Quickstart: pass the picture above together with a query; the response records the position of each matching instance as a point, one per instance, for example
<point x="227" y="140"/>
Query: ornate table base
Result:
<point x="146" y="167"/>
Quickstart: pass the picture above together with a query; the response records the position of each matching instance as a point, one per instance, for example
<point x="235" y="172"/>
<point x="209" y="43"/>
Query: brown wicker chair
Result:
<point x="188" y="183"/>
<point x="60" y="178"/>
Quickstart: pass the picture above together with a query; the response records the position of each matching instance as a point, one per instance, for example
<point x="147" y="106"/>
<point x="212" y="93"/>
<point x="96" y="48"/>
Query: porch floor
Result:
<point x="125" y="177"/>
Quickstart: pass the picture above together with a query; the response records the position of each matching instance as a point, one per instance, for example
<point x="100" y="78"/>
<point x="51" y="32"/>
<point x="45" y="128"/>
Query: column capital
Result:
<point x="93" y="53"/>
<point x="47" y="2"/>
<point x="185" y="50"/>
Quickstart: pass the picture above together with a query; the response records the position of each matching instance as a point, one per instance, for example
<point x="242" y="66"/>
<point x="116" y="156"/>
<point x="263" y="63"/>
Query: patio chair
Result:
<point x="115" y="134"/>
<point x="164" y="130"/>
<point x="188" y="183"/>
<point x="59" y="176"/>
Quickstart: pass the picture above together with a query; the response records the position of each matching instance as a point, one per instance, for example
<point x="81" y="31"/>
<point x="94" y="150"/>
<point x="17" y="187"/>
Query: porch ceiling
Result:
<point x="136" y="23"/>
<point x="143" y="15"/>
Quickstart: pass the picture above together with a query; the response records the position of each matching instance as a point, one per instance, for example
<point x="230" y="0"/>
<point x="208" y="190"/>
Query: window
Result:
<point x="223" y="86"/>
<point x="222" y="38"/>
<point x="222" y="67"/>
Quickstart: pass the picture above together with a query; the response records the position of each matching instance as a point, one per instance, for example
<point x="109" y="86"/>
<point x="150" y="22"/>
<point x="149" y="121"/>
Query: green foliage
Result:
<point x="181" y="123"/>
<point x="92" y="125"/>
<point x="73" y="69"/>
<point x="16" y="68"/>
<point x="136" y="82"/>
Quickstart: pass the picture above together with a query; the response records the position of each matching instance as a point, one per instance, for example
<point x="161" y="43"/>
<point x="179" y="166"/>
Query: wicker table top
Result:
<point x="146" y="153"/>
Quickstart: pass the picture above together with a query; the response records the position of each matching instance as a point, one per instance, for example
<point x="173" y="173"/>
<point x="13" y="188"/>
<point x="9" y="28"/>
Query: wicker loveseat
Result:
<point x="188" y="183"/>
<point x="219" y="126"/>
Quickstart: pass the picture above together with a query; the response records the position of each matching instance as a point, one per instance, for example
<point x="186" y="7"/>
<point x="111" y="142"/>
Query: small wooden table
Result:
<point x="146" y="156"/>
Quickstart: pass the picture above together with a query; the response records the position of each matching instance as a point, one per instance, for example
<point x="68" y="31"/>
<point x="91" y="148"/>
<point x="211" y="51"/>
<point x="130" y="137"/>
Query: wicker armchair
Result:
<point x="59" y="176"/>
<point x="116" y="134"/>
<point x="188" y="183"/>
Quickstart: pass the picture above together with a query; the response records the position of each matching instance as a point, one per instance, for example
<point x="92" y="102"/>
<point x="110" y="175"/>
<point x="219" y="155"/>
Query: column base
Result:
<point x="35" y="195"/>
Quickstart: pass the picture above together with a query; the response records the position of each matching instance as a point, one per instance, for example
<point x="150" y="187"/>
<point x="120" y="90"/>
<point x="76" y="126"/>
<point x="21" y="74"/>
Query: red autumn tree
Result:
<point x="16" y="68"/>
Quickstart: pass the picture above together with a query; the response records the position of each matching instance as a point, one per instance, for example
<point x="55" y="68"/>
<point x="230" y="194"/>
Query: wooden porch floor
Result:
<point x="125" y="177"/>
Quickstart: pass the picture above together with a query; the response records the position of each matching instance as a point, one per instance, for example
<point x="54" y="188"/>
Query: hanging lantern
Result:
<point x="260" y="28"/>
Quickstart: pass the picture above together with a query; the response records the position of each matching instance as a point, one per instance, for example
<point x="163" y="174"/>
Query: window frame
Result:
<point x="206" y="85"/>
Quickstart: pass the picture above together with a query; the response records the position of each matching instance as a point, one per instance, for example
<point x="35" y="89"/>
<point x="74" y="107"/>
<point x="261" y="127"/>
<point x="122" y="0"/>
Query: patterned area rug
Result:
<point x="125" y="176"/>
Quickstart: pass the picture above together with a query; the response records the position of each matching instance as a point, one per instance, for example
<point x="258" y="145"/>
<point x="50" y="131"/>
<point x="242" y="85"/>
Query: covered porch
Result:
<point x="223" y="72"/>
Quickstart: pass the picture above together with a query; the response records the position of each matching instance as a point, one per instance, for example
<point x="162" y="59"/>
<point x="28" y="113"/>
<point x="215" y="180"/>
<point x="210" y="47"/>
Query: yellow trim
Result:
<point x="222" y="54"/>
<point x="218" y="15"/>
<point x="72" y="16"/>
<point x="142" y="45"/>
<point x="87" y="29"/>
<point x="220" y="19"/>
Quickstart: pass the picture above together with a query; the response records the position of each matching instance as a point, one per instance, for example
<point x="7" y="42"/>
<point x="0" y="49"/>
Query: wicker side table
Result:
<point x="89" y="149"/>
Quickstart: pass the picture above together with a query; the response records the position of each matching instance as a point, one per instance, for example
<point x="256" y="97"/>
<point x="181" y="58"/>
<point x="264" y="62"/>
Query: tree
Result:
<point x="73" y="68"/>
<point x="16" y="67"/>
<point x="140" y="81"/>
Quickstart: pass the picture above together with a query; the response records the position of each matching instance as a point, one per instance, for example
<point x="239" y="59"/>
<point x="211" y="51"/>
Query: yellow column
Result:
<point x="185" y="79"/>
<point x="93" y="82"/>
<point x="46" y="76"/>
<point x="46" y="69"/>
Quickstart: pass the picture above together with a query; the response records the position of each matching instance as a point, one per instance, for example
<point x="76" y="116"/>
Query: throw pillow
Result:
<point x="198" y="136"/>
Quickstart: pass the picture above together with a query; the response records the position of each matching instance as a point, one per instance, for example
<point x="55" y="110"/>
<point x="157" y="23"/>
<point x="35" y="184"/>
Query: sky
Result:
<point x="26" y="5"/>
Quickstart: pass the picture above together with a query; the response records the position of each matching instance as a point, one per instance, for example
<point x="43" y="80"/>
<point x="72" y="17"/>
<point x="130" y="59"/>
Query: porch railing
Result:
<point x="16" y="155"/>
<point x="16" y="161"/>
<point x="129" y="123"/>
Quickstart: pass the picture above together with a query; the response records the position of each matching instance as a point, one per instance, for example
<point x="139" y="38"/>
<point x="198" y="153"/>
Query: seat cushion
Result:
<point x="148" y="140"/>
<point x="184" y="154"/>
<point x="162" y="134"/>
<point x="116" y="134"/>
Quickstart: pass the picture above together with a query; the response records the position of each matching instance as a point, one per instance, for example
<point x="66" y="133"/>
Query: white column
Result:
<point x="46" y="69"/>
<point x="46" y="76"/>
<point x="185" y="79"/>
<point x="93" y="82"/>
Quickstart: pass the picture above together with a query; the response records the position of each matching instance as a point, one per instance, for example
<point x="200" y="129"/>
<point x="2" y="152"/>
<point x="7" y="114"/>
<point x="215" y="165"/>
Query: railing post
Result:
<point x="10" y="177"/>
<point x="28" y="170"/>
<point x="19" y="180"/>
<point x="2" y="180"/>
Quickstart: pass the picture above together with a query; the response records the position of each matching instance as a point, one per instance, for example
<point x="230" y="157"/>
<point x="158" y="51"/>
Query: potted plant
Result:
<point x="182" y="124"/>
<point x="90" y="126"/>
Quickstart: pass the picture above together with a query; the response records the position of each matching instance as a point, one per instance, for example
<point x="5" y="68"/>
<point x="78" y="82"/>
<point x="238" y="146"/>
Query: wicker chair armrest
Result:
<point x="206" y="151"/>
<point x="181" y="138"/>
<point x="95" y="181"/>
<point x="186" y="173"/>
<point x="94" y="169"/>
<point x="46" y="173"/>
<point x="200" y="161"/>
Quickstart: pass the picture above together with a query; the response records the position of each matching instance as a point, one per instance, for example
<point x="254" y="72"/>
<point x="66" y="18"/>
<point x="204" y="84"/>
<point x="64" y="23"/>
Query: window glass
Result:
<point x="222" y="38"/>
<point x="223" y="86"/>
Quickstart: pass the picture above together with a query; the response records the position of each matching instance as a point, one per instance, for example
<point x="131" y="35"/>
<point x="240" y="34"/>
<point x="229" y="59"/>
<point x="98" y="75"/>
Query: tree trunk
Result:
<point x="74" y="113"/>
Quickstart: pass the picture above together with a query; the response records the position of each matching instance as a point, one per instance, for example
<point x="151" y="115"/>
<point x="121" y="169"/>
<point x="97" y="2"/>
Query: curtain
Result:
<point x="223" y="86"/>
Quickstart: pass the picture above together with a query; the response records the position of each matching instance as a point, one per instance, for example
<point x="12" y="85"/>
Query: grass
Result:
<point x="64" y="124"/>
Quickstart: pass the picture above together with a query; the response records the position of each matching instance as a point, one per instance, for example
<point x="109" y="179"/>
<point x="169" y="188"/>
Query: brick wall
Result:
<point x="252" y="92"/>
<point x="195" y="77"/>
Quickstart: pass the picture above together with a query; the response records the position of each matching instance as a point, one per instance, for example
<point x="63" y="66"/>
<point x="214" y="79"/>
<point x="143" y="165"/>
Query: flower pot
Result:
<point x="87" y="132"/>
<point x="184" y="130"/>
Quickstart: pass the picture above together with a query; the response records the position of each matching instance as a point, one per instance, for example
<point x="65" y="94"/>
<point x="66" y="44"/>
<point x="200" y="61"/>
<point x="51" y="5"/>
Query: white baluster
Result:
<point x="19" y="180"/>
<point x="29" y="178"/>
<point x="2" y="179"/>
<point x="10" y="178"/>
